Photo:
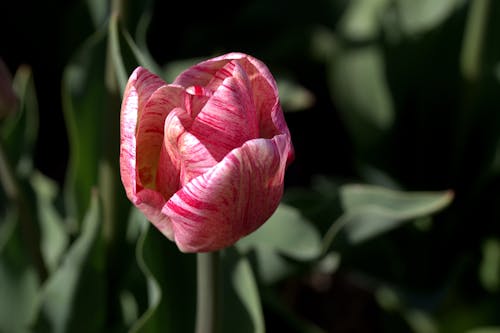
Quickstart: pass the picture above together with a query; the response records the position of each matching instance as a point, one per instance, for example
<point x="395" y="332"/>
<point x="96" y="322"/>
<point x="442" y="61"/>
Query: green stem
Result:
<point x="207" y="306"/>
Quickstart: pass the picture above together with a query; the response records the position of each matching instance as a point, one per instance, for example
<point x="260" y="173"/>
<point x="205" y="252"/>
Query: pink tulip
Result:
<point x="204" y="157"/>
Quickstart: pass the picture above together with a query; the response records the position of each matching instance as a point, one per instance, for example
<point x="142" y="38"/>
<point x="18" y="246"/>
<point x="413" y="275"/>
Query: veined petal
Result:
<point x="266" y="97"/>
<point x="191" y="157"/>
<point x="141" y="85"/>
<point x="232" y="199"/>
<point x="150" y="128"/>
<point x="148" y="201"/>
<point x="139" y="88"/>
<point x="228" y="118"/>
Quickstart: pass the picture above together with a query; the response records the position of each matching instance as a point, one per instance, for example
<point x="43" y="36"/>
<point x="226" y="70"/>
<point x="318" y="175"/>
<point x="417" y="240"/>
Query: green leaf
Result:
<point x="492" y="329"/>
<point x="372" y="210"/>
<point x="142" y="55"/>
<point x="98" y="10"/>
<point x="294" y="97"/>
<point x="360" y="89"/>
<point x="54" y="235"/>
<point x="489" y="269"/>
<point x="153" y="288"/>
<point x="420" y="322"/>
<point x="361" y="21"/>
<point x="242" y="311"/>
<point x="423" y="15"/>
<point x="175" y="274"/>
<point x="117" y="64"/>
<point x="84" y="104"/>
<point x="18" y="302"/>
<point x="474" y="37"/>
<point x="287" y="233"/>
<point x="74" y="293"/>
<point x="19" y="131"/>
<point x="19" y="280"/>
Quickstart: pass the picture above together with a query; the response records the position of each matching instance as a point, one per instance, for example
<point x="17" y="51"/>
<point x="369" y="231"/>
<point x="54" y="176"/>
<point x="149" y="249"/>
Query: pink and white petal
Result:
<point x="139" y="88"/>
<point x="228" y="119"/>
<point x="232" y="199"/>
<point x="266" y="97"/>
<point x="200" y="74"/>
<point x="185" y="150"/>
<point x="149" y="202"/>
<point x="149" y="134"/>
<point x="167" y="174"/>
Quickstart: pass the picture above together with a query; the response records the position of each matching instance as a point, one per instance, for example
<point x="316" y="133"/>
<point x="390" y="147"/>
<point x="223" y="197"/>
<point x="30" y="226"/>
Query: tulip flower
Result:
<point x="204" y="157"/>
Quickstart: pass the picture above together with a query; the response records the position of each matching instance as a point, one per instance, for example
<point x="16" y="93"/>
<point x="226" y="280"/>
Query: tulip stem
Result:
<point x="207" y="309"/>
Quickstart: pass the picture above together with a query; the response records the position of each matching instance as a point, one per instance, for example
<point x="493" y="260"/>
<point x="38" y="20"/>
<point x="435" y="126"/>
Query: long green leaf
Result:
<point x="73" y="293"/>
<point x="286" y="233"/>
<point x="154" y="290"/>
<point x="372" y="210"/>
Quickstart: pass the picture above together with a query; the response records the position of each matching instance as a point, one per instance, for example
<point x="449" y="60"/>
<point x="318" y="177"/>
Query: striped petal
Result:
<point x="140" y="90"/>
<point x="150" y="131"/>
<point x="228" y="119"/>
<point x="232" y="199"/>
<point x="191" y="156"/>
<point x="202" y="73"/>
<point x="141" y="85"/>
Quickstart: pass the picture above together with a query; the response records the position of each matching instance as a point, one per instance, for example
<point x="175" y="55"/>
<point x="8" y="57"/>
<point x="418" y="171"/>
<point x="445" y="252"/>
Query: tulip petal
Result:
<point x="228" y="118"/>
<point x="140" y="87"/>
<point x="183" y="147"/>
<point x="150" y="130"/>
<point x="232" y="199"/>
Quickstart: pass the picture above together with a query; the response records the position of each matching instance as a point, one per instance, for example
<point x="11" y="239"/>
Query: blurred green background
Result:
<point x="394" y="111"/>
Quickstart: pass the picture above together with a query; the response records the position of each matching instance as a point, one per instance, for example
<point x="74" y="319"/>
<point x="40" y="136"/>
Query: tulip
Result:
<point x="204" y="157"/>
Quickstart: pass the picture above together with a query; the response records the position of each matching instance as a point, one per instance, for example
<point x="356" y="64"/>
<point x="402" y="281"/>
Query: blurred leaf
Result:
<point x="98" y="11"/>
<point x="19" y="131"/>
<point x="324" y="44"/>
<point x="84" y="104"/>
<point x="73" y="294"/>
<point x="388" y="298"/>
<point x="359" y="88"/>
<point x="286" y="232"/>
<point x="294" y="97"/>
<point x="19" y="281"/>
<point x="492" y="329"/>
<point x="18" y="302"/>
<point x="423" y="15"/>
<point x="272" y="267"/>
<point x="116" y="63"/>
<point x="242" y="308"/>
<point x="420" y="322"/>
<point x="129" y="308"/>
<point x="489" y="269"/>
<point x="7" y="226"/>
<point x="142" y="55"/>
<point x="153" y="288"/>
<point x="175" y="273"/>
<point x="8" y="98"/>
<point x="474" y="36"/>
<point x="372" y="210"/>
<point x="361" y="21"/>
<point x="54" y="236"/>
